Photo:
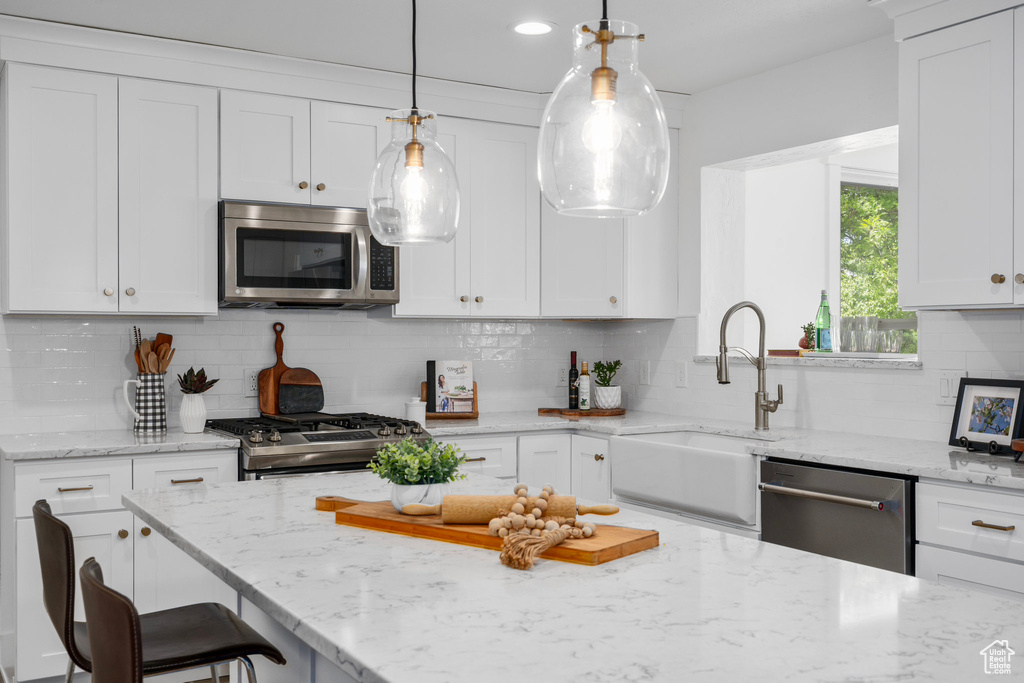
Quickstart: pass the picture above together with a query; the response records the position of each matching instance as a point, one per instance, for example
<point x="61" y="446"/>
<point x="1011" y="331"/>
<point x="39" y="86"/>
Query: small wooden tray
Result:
<point x="452" y="416"/>
<point x="593" y="412"/>
<point x="608" y="542"/>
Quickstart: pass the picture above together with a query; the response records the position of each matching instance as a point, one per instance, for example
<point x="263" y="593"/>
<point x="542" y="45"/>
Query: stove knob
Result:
<point x="256" y="436"/>
<point x="384" y="431"/>
<point x="416" y="428"/>
<point x="275" y="435"/>
<point x="400" y="430"/>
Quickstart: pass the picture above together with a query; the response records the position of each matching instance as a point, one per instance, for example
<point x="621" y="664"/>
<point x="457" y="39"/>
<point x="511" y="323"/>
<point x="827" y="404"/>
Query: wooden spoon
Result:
<point x="167" y="363"/>
<point x="146" y="348"/>
<point x="161" y="339"/>
<point x="153" y="363"/>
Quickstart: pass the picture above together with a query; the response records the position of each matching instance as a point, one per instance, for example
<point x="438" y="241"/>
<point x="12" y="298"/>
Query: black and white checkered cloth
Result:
<point x="151" y="404"/>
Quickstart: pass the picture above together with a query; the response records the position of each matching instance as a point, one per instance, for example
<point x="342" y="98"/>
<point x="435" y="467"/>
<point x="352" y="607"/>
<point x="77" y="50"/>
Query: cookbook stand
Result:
<point x="452" y="416"/>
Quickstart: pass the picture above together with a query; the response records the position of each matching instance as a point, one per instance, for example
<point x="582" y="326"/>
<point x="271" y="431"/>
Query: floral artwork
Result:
<point x="991" y="415"/>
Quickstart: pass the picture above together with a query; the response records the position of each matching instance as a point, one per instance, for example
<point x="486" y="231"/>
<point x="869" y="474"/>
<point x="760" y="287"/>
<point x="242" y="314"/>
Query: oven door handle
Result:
<point x="876" y="505"/>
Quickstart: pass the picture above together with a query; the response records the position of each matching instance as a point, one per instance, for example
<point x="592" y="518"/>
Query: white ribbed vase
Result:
<point x="606" y="397"/>
<point x="424" y="494"/>
<point x="193" y="413"/>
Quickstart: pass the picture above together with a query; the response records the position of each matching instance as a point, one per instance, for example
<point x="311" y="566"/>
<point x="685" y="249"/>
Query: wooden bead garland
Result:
<point x="528" y="535"/>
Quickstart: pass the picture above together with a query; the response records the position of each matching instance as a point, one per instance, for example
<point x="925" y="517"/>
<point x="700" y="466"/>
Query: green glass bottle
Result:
<point x="823" y="326"/>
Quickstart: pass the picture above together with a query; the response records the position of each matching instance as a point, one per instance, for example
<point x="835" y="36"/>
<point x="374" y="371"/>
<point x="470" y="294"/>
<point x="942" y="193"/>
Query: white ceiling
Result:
<point x="691" y="45"/>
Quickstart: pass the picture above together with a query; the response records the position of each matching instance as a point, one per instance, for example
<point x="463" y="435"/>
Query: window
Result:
<point x="868" y="267"/>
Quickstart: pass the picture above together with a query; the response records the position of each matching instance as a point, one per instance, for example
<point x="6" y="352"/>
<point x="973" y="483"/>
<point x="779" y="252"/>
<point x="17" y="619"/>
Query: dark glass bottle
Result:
<point x="574" y="388"/>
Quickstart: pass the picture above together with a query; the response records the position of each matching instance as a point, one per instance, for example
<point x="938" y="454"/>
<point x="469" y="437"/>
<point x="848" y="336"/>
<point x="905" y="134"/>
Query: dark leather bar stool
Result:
<point x="204" y="634"/>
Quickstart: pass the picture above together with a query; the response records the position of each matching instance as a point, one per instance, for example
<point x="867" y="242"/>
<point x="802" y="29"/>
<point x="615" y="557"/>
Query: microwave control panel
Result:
<point x="382" y="266"/>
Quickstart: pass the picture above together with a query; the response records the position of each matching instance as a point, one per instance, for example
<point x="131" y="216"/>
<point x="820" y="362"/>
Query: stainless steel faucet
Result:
<point x="762" y="404"/>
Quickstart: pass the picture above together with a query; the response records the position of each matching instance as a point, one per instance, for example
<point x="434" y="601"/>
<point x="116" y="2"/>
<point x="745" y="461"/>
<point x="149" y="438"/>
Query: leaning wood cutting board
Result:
<point x="608" y="542"/>
<point x="269" y="378"/>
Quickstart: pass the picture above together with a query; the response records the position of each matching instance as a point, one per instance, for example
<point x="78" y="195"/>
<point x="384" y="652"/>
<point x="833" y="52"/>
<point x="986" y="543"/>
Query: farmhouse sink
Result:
<point x="711" y="476"/>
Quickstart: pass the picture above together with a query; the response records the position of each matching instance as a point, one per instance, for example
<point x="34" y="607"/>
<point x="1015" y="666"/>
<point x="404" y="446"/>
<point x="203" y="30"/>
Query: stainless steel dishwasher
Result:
<point x="850" y="515"/>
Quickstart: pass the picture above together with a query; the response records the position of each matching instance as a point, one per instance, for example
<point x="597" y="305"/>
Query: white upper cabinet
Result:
<point x="60" y="222"/>
<point x="283" y="149"/>
<point x="492" y="266"/>
<point x="613" y="267"/>
<point x="167" y="197"/>
<point x="957" y="239"/>
<point x="134" y="164"/>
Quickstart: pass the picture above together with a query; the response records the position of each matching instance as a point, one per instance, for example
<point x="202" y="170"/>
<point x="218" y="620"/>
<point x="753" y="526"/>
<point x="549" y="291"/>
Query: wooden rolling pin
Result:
<point x="482" y="509"/>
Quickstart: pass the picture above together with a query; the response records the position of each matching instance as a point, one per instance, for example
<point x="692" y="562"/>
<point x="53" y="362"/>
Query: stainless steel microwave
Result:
<point x="286" y="256"/>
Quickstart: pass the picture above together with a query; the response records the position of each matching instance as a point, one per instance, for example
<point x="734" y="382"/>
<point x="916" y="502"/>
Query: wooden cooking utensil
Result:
<point x="152" y="363"/>
<point x="300" y="391"/>
<point x="482" y="509"/>
<point x="146" y="348"/>
<point x="161" y="339"/>
<point x="269" y="378"/>
<point x="167" y="363"/>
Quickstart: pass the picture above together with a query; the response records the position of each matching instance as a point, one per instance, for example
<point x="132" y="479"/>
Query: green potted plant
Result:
<point x="193" y="409"/>
<point x="418" y="474"/>
<point x="606" y="396"/>
<point x="807" y="341"/>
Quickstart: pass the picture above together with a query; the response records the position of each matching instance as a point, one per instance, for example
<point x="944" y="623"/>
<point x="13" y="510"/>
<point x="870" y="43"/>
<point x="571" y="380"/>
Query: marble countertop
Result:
<point x="704" y="605"/>
<point x="107" y="442"/>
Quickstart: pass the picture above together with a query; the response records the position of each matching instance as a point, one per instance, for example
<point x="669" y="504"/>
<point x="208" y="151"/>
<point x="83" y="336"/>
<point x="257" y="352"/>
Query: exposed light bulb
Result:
<point x="414" y="189"/>
<point x="602" y="132"/>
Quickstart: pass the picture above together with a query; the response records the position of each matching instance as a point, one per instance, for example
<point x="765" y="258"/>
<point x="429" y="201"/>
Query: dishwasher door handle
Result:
<point x="826" y="497"/>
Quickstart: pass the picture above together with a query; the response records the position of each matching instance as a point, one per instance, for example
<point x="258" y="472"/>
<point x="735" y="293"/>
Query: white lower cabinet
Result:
<point x="591" y="469"/>
<point x="967" y="536"/>
<point x="494" y="456"/>
<point x="546" y="459"/>
<point x="136" y="561"/>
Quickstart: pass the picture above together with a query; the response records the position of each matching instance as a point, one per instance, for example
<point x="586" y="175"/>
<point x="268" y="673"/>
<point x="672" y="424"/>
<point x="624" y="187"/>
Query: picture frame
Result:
<point x="988" y="414"/>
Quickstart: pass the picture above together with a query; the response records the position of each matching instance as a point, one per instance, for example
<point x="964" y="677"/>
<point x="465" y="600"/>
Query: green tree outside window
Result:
<point x="868" y="262"/>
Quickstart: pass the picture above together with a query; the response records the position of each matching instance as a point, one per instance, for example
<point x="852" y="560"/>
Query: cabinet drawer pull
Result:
<point x="130" y="291"/>
<point x="475" y="459"/>
<point x="123" y="533"/>
<point x="613" y="299"/>
<point x="146" y="531"/>
<point x="303" y="185"/>
<point x="463" y="298"/>
<point x="187" y="481"/>
<point x="598" y="457"/>
<point x="1019" y="278"/>
<point x="321" y="187"/>
<point x="76" y="488"/>
<point x="983" y="525"/>
<point x="998" y="278"/>
<point x="479" y="299"/>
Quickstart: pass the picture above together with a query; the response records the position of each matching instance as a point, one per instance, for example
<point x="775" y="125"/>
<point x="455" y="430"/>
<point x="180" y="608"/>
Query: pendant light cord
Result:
<point x="414" y="55"/>
<point x="604" y="14"/>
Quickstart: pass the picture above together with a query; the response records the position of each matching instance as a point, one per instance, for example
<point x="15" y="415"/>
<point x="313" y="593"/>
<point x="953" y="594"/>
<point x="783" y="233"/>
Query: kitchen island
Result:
<point x="702" y="606"/>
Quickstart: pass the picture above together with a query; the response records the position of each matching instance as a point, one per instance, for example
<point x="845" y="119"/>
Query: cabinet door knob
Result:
<point x="303" y="185"/>
<point x="108" y="291"/>
<point x="321" y="187"/>
<point x="123" y="533"/>
<point x="1019" y="278"/>
<point x="613" y="299"/>
<point x="479" y="299"/>
<point x="146" y="531"/>
<point x="998" y="278"/>
<point x="463" y="298"/>
<point x="598" y="457"/>
<point x="130" y="291"/>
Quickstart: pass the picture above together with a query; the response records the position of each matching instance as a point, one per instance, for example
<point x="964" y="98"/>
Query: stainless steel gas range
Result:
<point x="310" y="443"/>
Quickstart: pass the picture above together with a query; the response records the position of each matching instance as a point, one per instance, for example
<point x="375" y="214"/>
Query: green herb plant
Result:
<point x="406" y="463"/>
<point x="195" y="382"/>
<point x="809" y="334"/>
<point x="605" y="372"/>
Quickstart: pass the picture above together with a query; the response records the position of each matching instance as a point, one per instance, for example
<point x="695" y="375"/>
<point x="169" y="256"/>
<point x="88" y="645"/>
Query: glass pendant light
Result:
<point x="414" y="194"/>
<point x="603" y="147"/>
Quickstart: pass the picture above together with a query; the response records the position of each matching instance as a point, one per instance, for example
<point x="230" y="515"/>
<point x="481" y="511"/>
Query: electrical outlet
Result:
<point x="949" y="386"/>
<point x="251" y="383"/>
<point x="681" y="374"/>
<point x="563" y="377"/>
<point x="645" y="372"/>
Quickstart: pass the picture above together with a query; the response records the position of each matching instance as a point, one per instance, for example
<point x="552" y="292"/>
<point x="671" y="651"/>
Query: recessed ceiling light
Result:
<point x="533" y="28"/>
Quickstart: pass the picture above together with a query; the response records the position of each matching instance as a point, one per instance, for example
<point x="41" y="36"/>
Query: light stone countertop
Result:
<point x="704" y="606"/>
<point x="107" y="442"/>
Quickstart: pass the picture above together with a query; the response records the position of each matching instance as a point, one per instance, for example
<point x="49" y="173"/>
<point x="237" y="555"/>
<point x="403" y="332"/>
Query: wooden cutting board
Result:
<point x="269" y="378"/>
<point x="593" y="412"/>
<point x="608" y="542"/>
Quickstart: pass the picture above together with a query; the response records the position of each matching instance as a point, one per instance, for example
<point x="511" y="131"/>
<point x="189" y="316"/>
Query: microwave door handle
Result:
<point x="361" y="262"/>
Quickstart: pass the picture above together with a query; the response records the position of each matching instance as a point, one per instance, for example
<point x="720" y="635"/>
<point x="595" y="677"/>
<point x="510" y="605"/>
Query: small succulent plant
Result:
<point x="193" y="382"/>
<point x="606" y="372"/>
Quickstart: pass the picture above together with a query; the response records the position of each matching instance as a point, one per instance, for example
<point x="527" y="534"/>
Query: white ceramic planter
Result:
<point x="424" y="494"/>
<point x="193" y="413"/>
<point x="606" y="397"/>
